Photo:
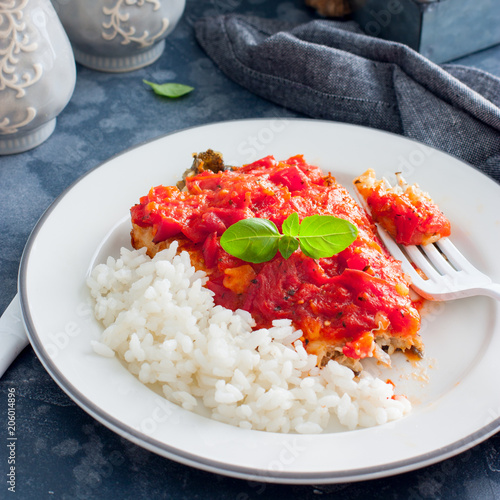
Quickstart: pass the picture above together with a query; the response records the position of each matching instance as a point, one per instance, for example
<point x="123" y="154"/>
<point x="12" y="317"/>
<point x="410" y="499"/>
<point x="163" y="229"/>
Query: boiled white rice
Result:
<point x="162" y="322"/>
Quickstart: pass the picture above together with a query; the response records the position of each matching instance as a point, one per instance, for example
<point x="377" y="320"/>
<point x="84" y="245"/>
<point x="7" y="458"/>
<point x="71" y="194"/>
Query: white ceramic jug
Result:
<point x="118" y="35"/>
<point x="37" y="73"/>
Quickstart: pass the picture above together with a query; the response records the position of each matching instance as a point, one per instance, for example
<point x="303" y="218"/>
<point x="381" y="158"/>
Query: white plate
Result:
<point x="455" y="394"/>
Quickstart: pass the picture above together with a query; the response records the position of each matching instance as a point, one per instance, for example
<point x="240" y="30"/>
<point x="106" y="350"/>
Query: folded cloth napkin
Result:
<point x="331" y="70"/>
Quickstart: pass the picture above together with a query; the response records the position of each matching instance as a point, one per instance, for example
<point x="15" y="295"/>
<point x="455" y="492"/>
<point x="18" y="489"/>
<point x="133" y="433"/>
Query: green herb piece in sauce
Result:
<point x="172" y="90"/>
<point x="322" y="236"/>
<point x="291" y="225"/>
<point x="252" y="240"/>
<point x="287" y="245"/>
<point x="258" y="240"/>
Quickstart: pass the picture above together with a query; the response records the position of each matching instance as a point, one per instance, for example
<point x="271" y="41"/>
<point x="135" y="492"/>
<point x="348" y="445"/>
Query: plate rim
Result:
<point x="187" y="458"/>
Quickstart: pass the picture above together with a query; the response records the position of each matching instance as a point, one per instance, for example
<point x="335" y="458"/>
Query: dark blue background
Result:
<point x="61" y="451"/>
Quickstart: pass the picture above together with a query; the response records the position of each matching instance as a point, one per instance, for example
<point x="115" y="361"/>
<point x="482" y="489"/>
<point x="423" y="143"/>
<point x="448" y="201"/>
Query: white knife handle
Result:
<point x="13" y="337"/>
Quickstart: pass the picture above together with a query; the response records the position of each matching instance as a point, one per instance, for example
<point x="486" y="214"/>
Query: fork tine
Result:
<point x="454" y="255"/>
<point x="398" y="254"/>
<point x="421" y="262"/>
<point x="439" y="261"/>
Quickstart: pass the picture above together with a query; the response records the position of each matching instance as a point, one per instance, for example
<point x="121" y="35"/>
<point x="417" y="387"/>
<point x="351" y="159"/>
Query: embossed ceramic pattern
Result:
<point x="118" y="35"/>
<point x="37" y="73"/>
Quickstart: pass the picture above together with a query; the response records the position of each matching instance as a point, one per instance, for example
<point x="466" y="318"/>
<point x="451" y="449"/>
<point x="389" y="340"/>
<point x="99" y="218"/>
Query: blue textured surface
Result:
<point x="64" y="453"/>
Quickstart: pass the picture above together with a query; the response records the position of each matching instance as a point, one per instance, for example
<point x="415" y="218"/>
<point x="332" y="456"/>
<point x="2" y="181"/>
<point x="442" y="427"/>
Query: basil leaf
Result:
<point x="258" y="240"/>
<point x="252" y="240"/>
<point x="172" y="90"/>
<point x="287" y="245"/>
<point x="323" y="236"/>
<point x="291" y="225"/>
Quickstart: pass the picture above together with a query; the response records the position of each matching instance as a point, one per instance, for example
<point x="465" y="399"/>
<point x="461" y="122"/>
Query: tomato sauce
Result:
<point x="343" y="302"/>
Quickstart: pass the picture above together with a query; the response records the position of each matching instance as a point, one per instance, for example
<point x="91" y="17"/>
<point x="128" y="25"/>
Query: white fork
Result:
<point x="450" y="275"/>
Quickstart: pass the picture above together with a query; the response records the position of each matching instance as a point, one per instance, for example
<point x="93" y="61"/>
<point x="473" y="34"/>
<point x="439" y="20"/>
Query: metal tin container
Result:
<point x="441" y="30"/>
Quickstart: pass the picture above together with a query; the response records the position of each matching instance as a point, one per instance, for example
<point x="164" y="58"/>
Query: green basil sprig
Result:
<point x="258" y="240"/>
<point x="172" y="90"/>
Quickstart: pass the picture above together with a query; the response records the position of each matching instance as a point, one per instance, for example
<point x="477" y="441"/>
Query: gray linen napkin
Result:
<point x="331" y="70"/>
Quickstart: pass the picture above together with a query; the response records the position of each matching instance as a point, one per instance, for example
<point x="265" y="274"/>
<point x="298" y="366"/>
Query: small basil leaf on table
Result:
<point x="323" y="236"/>
<point x="252" y="240"/>
<point x="171" y="90"/>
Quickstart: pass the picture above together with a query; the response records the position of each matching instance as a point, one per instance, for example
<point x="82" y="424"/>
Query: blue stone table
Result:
<point x="62" y="452"/>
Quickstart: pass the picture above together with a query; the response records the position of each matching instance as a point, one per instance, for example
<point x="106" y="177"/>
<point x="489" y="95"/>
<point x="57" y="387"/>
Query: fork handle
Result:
<point x="13" y="337"/>
<point x="492" y="290"/>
